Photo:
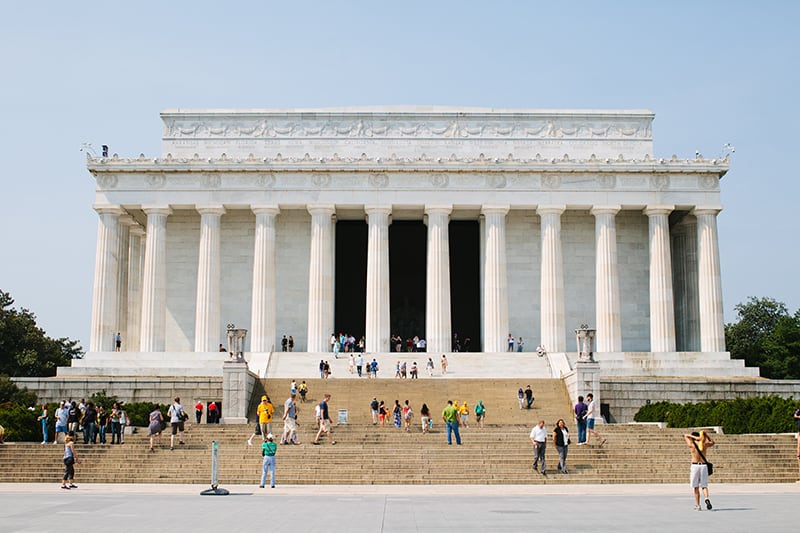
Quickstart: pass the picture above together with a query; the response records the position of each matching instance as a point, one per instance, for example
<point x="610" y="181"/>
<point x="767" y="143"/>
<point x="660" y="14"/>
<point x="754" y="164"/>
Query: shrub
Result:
<point x="760" y="414"/>
<point x="139" y="412"/>
<point x="20" y="423"/>
<point x="10" y="392"/>
<point x="101" y="398"/>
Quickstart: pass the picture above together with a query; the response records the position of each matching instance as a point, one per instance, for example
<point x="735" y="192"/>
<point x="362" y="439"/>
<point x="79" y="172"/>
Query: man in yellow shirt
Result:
<point x="265" y="412"/>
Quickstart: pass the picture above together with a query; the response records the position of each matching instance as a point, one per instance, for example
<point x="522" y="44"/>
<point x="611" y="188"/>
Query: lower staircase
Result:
<point x="499" y="453"/>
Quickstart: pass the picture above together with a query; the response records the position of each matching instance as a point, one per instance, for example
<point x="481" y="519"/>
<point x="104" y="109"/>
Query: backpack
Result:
<point x="479" y="409"/>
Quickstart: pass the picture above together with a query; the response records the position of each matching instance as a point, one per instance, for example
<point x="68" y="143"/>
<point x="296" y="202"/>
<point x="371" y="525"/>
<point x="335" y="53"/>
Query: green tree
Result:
<point x="767" y="336"/>
<point x="25" y="349"/>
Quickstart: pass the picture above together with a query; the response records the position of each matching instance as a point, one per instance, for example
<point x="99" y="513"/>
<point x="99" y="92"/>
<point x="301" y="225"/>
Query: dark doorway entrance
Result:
<point x="408" y="244"/>
<point x="350" y="286"/>
<point x="465" y="299"/>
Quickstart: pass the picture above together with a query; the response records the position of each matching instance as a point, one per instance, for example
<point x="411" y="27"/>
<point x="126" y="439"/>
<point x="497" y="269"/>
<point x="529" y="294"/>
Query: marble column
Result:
<point x="607" y="298"/>
<point x="662" y="306"/>
<point x="377" y="327"/>
<point x="135" y="268"/>
<point x="320" y="278"/>
<point x="262" y="323"/>
<point x="552" y="283"/>
<point x="437" y="290"/>
<point x="207" y="310"/>
<point x="709" y="282"/>
<point x="495" y="281"/>
<point x="106" y="272"/>
<point x="154" y="280"/>
<point x="123" y="258"/>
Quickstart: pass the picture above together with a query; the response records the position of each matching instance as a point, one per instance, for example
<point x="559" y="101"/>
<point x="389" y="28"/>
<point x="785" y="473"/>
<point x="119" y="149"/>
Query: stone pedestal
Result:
<point x="587" y="380"/>
<point x="237" y="387"/>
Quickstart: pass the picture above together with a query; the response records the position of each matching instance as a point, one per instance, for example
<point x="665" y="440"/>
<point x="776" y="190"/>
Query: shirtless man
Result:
<point x="699" y="442"/>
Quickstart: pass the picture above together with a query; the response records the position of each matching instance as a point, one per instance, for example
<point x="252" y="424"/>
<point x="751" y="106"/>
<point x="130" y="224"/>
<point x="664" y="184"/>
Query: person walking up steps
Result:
<point x="590" y="416"/>
<point x="699" y="443"/>
<point x="290" y="412"/>
<point x="324" y="421"/>
<point x="480" y="413"/>
<point x="580" y="419"/>
<point x="176" y="420"/>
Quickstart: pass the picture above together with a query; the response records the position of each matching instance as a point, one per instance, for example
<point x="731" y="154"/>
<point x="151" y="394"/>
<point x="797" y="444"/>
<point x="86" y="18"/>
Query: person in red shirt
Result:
<point x="198" y="411"/>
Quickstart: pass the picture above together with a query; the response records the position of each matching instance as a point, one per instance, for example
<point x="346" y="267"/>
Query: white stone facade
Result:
<point x="579" y="224"/>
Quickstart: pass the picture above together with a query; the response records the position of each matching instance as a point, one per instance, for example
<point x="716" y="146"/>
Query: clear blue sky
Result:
<point x="100" y="72"/>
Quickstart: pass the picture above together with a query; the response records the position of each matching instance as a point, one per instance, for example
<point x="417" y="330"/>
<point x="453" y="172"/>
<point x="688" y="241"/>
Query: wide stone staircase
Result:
<point x="365" y="454"/>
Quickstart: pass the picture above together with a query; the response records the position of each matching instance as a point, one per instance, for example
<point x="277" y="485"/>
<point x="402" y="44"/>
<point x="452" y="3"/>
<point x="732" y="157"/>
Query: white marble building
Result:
<point x="576" y="221"/>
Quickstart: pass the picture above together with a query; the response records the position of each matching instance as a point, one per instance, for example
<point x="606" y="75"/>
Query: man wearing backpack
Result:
<point x="580" y="419"/>
<point x="176" y="419"/>
<point x="480" y="413"/>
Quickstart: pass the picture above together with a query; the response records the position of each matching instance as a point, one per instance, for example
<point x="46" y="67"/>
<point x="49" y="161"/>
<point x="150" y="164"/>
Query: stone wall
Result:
<point x="127" y="389"/>
<point x="634" y="280"/>
<point x="183" y="248"/>
<point x="523" y="245"/>
<point x="626" y="395"/>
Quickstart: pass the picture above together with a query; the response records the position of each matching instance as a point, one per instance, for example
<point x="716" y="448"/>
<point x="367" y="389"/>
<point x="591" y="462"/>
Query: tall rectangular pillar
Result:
<point x="106" y="274"/>
<point x="377" y="311"/>
<point x="154" y="280"/>
<point x="437" y="290"/>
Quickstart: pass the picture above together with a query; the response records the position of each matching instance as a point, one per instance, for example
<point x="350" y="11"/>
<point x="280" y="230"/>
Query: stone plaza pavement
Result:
<point x="437" y="508"/>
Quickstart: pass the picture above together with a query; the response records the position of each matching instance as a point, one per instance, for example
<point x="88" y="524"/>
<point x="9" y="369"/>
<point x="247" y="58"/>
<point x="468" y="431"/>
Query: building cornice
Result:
<point x="422" y="163"/>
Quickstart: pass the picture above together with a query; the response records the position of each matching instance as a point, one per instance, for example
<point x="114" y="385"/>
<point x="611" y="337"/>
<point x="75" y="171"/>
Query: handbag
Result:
<point x="710" y="466"/>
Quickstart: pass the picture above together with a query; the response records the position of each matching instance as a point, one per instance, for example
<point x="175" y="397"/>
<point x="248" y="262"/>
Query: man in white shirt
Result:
<point x="590" y="416"/>
<point x="539" y="441"/>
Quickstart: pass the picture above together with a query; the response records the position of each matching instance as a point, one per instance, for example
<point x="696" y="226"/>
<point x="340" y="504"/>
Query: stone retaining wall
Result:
<point x="127" y="389"/>
<point x="626" y="395"/>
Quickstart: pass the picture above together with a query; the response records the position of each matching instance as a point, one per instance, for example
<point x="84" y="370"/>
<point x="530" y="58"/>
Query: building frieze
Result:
<point x="546" y="126"/>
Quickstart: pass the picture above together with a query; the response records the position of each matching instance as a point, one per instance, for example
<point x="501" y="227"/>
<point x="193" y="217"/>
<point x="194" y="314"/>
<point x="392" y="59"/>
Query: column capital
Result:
<point x="706" y="210"/>
<point x="108" y="209"/>
<point x="127" y="220"/>
<point x="322" y="209"/>
<point x="605" y="209"/>
<point x="137" y="230"/>
<point x="438" y="209"/>
<point x="157" y="209"/>
<point x="265" y="209"/>
<point x="495" y="209"/>
<point x="657" y="209"/>
<point x="550" y="209"/>
<point x="210" y="209"/>
<point x="378" y="209"/>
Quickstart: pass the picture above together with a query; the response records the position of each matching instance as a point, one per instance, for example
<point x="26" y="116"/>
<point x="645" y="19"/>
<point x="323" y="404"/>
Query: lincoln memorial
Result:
<point x="433" y="222"/>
